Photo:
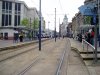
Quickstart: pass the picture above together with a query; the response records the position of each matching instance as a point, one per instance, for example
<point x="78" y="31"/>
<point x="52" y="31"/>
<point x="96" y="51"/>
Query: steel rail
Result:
<point x="17" y="54"/>
<point x="30" y="66"/>
<point x="60" y="63"/>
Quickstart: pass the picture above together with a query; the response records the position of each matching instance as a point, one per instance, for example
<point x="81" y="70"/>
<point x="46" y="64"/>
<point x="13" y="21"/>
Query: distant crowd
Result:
<point x="88" y="36"/>
<point x="19" y="37"/>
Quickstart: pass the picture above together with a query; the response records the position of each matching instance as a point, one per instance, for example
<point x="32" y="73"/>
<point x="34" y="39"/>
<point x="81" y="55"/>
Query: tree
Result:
<point x="25" y="22"/>
<point x="35" y="24"/>
<point x="87" y="20"/>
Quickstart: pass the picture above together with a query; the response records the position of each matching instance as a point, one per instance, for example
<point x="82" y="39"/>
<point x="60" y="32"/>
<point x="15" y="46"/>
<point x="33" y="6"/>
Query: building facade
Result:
<point x="11" y="14"/>
<point x="63" y="26"/>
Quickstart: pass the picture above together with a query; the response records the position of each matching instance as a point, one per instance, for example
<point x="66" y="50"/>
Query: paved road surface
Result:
<point x="47" y="61"/>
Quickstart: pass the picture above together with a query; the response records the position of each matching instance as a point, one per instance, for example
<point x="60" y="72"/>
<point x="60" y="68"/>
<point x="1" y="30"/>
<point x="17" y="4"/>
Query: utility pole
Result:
<point x="99" y="19"/>
<point x="31" y="32"/>
<point x="59" y="29"/>
<point x="55" y="24"/>
<point x="99" y="15"/>
<point x="48" y="27"/>
<point x="95" y="42"/>
<point x="39" y="26"/>
<point x="95" y="23"/>
<point x="30" y="23"/>
<point x="34" y="27"/>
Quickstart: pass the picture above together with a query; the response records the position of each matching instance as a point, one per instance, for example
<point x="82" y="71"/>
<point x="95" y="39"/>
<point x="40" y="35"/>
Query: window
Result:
<point x="18" y="19"/>
<point x="6" y="20"/>
<point x="3" y="5"/>
<point x="15" y="20"/>
<point x="6" y="15"/>
<point x="3" y="19"/>
<point x="16" y="7"/>
<point x="10" y="19"/>
<point x="6" y="5"/>
<point x="17" y="14"/>
<point x="10" y="6"/>
<point x="19" y="6"/>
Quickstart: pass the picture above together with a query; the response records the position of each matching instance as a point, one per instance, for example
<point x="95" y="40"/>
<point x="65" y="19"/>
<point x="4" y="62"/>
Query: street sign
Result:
<point x="87" y="9"/>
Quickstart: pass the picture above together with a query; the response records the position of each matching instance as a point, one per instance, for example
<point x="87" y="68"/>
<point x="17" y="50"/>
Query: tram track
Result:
<point x="47" y="62"/>
<point x="18" y="51"/>
<point x="22" y="62"/>
<point x="12" y="56"/>
<point x="30" y="65"/>
<point x="37" y="59"/>
<point x="63" y="62"/>
<point x="12" y="50"/>
<point x="60" y="63"/>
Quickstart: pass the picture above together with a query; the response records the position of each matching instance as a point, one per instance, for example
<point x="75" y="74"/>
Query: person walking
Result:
<point x="21" y="37"/>
<point x="15" y="37"/>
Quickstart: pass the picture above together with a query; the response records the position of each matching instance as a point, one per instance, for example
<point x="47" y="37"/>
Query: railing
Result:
<point x="88" y="47"/>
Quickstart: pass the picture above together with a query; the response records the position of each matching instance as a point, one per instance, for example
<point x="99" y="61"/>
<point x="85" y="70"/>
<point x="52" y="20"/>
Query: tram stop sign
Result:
<point x="86" y="10"/>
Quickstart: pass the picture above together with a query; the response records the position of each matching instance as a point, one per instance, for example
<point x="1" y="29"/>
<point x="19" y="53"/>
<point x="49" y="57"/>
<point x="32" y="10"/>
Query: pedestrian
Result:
<point x="92" y="36"/>
<point x="21" y="37"/>
<point x="16" y="37"/>
<point x="86" y="36"/>
<point x="89" y="37"/>
<point x="99" y="40"/>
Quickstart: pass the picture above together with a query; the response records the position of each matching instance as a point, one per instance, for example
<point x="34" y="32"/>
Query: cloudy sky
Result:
<point x="69" y="7"/>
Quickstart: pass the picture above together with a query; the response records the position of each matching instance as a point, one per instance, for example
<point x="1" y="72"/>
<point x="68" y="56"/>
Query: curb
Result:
<point x="76" y="50"/>
<point x="20" y="45"/>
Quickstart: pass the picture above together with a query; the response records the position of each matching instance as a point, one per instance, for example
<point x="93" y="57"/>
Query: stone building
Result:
<point x="11" y="14"/>
<point x="64" y="26"/>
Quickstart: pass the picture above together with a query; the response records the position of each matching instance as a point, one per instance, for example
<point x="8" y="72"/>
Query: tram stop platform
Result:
<point x="87" y="56"/>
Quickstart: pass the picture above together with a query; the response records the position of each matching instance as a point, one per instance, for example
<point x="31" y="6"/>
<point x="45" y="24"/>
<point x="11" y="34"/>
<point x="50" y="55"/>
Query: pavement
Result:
<point x="6" y="43"/>
<point x="10" y="44"/>
<point x="92" y="67"/>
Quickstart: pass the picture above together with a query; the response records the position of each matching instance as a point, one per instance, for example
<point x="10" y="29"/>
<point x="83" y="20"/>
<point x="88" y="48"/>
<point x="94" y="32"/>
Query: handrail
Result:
<point x="91" y="46"/>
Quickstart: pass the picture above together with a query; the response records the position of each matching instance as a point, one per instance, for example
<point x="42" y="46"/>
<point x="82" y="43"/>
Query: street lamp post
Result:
<point x="99" y="14"/>
<point x="40" y="27"/>
<point x="59" y="29"/>
<point x="55" y="24"/>
<point x="34" y="27"/>
<point x="95" y="38"/>
<point x="99" y="19"/>
<point x="48" y="27"/>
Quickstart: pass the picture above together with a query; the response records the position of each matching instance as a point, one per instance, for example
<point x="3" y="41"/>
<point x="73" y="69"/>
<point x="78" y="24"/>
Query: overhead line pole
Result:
<point x="55" y="24"/>
<point x="99" y="15"/>
<point x="59" y="29"/>
<point x="40" y="27"/>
